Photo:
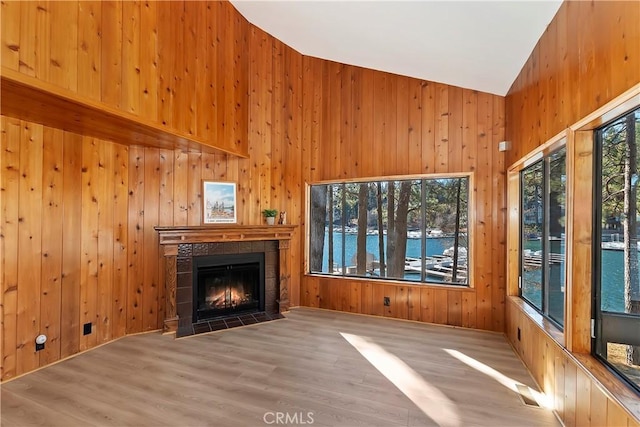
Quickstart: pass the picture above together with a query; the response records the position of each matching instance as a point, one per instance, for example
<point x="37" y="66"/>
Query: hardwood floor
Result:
<point x="301" y="367"/>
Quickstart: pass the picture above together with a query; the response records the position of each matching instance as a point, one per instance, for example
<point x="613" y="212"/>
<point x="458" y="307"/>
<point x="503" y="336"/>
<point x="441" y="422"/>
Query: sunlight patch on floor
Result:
<point x="542" y="399"/>
<point x="428" y="398"/>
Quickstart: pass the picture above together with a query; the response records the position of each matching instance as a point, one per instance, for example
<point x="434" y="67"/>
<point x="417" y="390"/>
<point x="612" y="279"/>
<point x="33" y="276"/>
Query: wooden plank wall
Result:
<point x="588" y="55"/>
<point x="363" y="123"/>
<point x="63" y="230"/>
<point x="78" y="243"/>
<point x="179" y="63"/>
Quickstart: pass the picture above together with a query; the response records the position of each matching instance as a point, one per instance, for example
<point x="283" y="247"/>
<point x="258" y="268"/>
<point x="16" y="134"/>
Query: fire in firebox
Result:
<point x="229" y="297"/>
<point x="228" y="284"/>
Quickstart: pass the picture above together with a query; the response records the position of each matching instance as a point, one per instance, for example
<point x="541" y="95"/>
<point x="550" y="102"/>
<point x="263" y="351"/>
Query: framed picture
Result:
<point x="219" y="202"/>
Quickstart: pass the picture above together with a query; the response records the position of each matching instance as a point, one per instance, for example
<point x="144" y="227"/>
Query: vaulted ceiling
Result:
<point x="479" y="45"/>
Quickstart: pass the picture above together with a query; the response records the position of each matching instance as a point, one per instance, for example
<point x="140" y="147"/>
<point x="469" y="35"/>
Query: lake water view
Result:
<point x="612" y="278"/>
<point x="613" y="281"/>
<point x="612" y="260"/>
<point x="435" y="246"/>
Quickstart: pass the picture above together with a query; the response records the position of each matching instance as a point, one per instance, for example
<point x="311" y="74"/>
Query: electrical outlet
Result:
<point x="387" y="301"/>
<point x="87" y="329"/>
<point x="518" y="334"/>
<point x="40" y="340"/>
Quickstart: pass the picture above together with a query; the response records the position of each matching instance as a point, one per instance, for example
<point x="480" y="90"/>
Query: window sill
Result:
<point x="394" y="282"/>
<point x="546" y="325"/>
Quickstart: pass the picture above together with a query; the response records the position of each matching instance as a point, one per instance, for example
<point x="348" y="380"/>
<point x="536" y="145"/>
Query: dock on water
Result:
<point x="533" y="260"/>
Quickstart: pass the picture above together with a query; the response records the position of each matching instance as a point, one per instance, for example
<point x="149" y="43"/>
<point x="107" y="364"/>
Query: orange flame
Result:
<point x="225" y="298"/>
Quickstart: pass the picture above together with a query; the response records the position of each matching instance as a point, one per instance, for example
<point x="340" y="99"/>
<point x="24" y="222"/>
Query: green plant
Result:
<point x="270" y="213"/>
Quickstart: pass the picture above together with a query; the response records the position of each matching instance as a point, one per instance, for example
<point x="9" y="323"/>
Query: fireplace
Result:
<point x="182" y="247"/>
<point x="227" y="285"/>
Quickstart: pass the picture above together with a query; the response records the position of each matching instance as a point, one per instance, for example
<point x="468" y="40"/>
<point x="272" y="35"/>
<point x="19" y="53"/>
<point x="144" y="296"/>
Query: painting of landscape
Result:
<point x="219" y="202"/>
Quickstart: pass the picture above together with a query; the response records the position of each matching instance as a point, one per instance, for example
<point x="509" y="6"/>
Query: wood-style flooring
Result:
<point x="300" y="367"/>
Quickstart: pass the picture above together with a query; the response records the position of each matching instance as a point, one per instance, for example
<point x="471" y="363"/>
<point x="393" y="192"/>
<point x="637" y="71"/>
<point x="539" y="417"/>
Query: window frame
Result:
<point x="542" y="158"/>
<point x="598" y="338"/>
<point x="521" y="173"/>
<point x="470" y="176"/>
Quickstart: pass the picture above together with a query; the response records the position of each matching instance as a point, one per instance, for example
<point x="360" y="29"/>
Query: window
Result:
<point x="617" y="278"/>
<point x="542" y="240"/>
<point x="406" y="229"/>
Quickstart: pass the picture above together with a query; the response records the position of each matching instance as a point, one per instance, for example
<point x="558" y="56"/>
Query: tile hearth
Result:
<point x="227" y="323"/>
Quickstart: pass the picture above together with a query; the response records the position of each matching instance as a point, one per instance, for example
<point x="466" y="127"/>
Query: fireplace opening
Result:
<point x="227" y="285"/>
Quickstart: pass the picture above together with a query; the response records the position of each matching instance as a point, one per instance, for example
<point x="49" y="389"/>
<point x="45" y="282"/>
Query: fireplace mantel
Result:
<point x="170" y="239"/>
<point x="224" y="233"/>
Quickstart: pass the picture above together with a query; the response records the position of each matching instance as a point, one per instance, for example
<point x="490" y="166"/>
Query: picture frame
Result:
<point x="219" y="202"/>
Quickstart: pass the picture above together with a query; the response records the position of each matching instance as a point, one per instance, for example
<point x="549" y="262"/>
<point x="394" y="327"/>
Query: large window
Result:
<point x="407" y="229"/>
<point x="542" y="242"/>
<point x="617" y="278"/>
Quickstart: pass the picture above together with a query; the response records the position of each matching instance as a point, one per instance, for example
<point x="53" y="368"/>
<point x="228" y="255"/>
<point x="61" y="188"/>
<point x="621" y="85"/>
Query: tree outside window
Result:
<point x="406" y="229"/>
<point x="542" y="241"/>
<point x="617" y="285"/>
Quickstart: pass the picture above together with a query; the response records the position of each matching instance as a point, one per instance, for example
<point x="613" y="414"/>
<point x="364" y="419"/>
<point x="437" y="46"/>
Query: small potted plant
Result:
<point x="270" y="215"/>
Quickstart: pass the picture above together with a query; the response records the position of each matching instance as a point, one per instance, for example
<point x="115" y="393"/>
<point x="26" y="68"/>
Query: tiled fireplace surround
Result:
<point x="180" y="244"/>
